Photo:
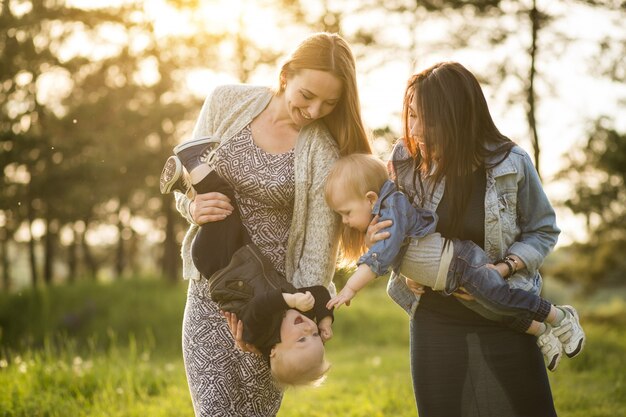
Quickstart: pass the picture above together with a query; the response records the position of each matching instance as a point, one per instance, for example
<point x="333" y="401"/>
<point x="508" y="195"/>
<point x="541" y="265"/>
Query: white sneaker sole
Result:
<point x="581" y="342"/>
<point x="172" y="170"/>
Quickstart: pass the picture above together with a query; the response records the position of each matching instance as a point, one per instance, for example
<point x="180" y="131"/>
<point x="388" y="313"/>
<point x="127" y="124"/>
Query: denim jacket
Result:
<point x="519" y="219"/>
<point x="408" y="221"/>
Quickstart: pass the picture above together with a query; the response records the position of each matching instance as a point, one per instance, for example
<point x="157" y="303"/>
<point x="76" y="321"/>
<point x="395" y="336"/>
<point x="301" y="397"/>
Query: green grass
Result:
<point x="114" y="350"/>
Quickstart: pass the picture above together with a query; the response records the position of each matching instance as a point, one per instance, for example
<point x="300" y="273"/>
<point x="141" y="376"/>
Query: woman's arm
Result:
<point x="537" y="221"/>
<point x="315" y="251"/>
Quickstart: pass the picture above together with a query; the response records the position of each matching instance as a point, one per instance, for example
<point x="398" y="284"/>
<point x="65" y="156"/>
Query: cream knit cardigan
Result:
<point x="313" y="235"/>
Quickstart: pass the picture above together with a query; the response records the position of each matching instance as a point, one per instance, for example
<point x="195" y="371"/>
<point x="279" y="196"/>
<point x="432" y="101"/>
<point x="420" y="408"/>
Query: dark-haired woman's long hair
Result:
<point x="452" y="119"/>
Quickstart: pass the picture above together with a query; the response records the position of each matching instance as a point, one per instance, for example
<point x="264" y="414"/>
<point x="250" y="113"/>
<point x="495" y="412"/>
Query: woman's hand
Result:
<point x="463" y="295"/>
<point x="374" y="233"/>
<point x="210" y="207"/>
<point x="236" y="328"/>
<point x="417" y="289"/>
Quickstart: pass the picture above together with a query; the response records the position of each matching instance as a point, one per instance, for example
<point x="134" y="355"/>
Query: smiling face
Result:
<point x="310" y="95"/>
<point x="300" y="352"/>
<point x="298" y="331"/>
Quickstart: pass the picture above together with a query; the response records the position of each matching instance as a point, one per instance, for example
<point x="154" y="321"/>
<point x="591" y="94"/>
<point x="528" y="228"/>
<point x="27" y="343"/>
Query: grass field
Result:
<point x="114" y="350"/>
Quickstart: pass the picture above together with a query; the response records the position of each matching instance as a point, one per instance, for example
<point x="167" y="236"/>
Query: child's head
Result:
<point x="298" y="359"/>
<point x="352" y="188"/>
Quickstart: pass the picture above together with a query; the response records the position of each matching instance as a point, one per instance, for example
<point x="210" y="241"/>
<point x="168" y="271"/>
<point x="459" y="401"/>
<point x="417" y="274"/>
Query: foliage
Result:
<point x="93" y="98"/>
<point x="598" y="175"/>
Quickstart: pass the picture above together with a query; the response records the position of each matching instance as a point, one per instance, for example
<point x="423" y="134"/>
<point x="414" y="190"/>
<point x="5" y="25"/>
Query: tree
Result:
<point x="597" y="172"/>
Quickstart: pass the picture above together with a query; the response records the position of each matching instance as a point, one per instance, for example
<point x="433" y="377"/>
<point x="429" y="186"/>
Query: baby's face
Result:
<point x="355" y="213"/>
<point x="297" y="331"/>
<point x="300" y="350"/>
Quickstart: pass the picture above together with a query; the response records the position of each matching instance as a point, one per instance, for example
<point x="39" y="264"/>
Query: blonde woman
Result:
<point x="274" y="148"/>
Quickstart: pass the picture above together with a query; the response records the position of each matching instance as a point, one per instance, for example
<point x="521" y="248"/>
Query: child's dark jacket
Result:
<point x="251" y="288"/>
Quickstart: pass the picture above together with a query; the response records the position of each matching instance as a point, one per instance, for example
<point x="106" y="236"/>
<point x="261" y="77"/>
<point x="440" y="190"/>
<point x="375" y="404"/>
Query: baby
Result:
<point x="287" y="325"/>
<point x="358" y="188"/>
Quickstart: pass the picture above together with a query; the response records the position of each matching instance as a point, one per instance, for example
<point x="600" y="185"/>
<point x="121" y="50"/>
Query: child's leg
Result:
<point x="216" y="242"/>
<point x="192" y="155"/>
<point x="469" y="270"/>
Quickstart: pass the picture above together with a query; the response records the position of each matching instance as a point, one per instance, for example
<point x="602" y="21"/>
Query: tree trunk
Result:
<point x="32" y="258"/>
<point x="4" y="258"/>
<point x="171" y="254"/>
<point x="49" y="241"/>
<point x="120" y="260"/>
<point x="92" y="265"/>
<point x="535" y="20"/>
<point x="72" y="257"/>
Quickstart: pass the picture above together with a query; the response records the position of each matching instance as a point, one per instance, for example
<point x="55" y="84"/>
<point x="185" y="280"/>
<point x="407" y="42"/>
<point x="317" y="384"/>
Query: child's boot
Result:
<point x="195" y="152"/>
<point x="172" y="178"/>
<point x="570" y="332"/>
<point x="551" y="348"/>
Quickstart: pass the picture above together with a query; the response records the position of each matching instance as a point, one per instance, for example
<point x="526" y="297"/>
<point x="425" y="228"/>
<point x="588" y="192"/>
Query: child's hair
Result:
<point x="290" y="370"/>
<point x="354" y="175"/>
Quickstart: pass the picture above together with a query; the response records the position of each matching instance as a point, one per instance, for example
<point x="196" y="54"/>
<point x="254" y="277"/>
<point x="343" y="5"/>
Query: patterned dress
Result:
<point x="223" y="380"/>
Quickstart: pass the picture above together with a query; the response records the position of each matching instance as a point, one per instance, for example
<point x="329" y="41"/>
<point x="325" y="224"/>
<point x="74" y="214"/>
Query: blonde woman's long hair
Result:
<point x="329" y="52"/>
<point x="354" y="176"/>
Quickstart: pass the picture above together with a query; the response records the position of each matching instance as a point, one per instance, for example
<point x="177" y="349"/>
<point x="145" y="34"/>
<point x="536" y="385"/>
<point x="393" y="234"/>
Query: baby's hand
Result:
<point x="325" y="328"/>
<point x="304" y="301"/>
<point x="343" y="297"/>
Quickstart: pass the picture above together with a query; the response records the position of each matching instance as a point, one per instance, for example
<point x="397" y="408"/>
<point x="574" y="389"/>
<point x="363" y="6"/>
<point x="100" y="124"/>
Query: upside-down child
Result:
<point x="358" y="188"/>
<point x="287" y="325"/>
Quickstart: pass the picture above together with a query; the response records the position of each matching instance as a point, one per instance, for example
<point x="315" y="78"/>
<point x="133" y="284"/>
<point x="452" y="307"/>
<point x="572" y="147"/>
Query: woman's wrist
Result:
<point x="512" y="265"/>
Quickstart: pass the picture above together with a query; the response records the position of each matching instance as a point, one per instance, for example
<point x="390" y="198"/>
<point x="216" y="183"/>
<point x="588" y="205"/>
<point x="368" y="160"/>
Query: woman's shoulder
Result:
<point x="238" y="92"/>
<point x="517" y="160"/>
<point x="320" y="140"/>
<point x="520" y="157"/>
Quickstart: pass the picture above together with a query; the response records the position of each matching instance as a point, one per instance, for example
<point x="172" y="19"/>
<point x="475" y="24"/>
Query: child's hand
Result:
<point x="325" y="328"/>
<point x="304" y="301"/>
<point x="343" y="297"/>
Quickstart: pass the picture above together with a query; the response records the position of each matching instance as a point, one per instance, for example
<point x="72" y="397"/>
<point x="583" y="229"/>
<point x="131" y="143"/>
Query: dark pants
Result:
<point x="464" y="365"/>
<point x="216" y="242"/>
<point x="517" y="307"/>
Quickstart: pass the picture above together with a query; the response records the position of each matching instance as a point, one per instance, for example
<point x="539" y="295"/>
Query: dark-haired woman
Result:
<point x="484" y="188"/>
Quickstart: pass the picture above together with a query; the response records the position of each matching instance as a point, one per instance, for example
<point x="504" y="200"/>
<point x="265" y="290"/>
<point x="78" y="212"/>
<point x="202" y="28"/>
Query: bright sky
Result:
<point x="574" y="97"/>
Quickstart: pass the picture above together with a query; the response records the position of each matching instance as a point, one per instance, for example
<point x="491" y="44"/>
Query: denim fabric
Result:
<point x="468" y="270"/>
<point x="408" y="222"/>
<point x="519" y="219"/>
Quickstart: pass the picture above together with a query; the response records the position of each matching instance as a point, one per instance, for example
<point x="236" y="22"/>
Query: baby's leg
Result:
<point x="193" y="155"/>
<point x="470" y="271"/>
<point x="422" y="261"/>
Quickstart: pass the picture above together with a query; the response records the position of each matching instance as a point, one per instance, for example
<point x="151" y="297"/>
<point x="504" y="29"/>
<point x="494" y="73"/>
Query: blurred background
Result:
<point x="95" y="94"/>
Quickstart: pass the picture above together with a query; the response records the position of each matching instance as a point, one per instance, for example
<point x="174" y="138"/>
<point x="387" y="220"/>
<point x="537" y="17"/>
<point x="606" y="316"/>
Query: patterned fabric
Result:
<point x="313" y="238"/>
<point x="223" y="380"/>
<point x="264" y="189"/>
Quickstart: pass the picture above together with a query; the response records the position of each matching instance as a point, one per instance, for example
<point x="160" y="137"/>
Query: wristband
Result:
<point x="515" y="264"/>
<point x="509" y="265"/>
